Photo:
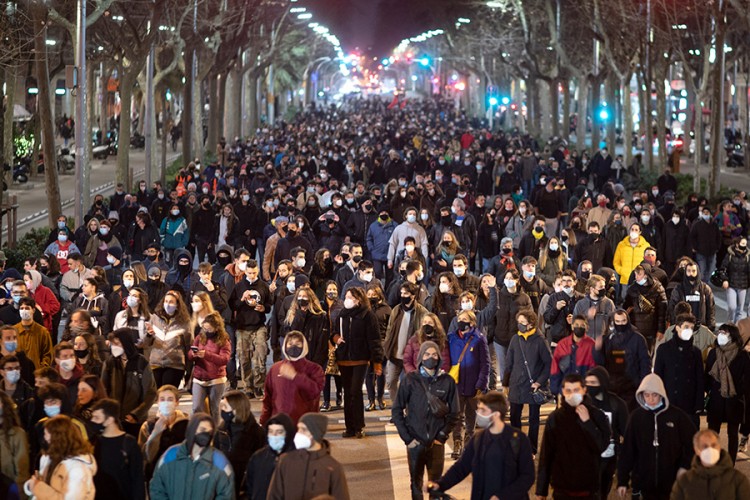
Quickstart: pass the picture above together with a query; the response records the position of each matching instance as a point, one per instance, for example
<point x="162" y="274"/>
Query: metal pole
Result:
<point x="148" y="124"/>
<point x="80" y="126"/>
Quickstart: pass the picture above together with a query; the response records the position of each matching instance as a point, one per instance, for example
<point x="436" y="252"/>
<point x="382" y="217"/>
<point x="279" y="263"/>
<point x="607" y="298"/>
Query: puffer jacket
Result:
<point x="213" y="364"/>
<point x="720" y="481"/>
<point x="72" y="478"/>
<point x="474" y="371"/>
<point x="174" y="232"/>
<point x="168" y="345"/>
<point x="628" y="257"/>
<point x="736" y="265"/>
<point x="177" y="475"/>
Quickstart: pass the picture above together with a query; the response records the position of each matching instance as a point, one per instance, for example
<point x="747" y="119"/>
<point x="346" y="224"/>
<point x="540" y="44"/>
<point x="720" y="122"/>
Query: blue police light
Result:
<point x="604" y="114"/>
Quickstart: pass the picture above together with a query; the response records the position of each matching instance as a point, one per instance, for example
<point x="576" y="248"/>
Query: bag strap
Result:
<point x="461" y="357"/>
<point x="525" y="363"/>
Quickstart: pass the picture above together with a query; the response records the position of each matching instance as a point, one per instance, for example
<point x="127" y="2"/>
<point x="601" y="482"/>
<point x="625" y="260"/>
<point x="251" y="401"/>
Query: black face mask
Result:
<point x="151" y="257"/>
<point x="81" y="353"/>
<point x="357" y="259"/>
<point x="331" y="295"/>
<point x="430" y="363"/>
<point x="303" y="302"/>
<point x="579" y="331"/>
<point x="446" y="219"/>
<point x="291" y="234"/>
<point x="294" y="351"/>
<point x="345" y="256"/>
<point x="227" y="417"/>
<point x="428" y="331"/>
<point x="585" y="274"/>
<point x="621" y="328"/>
<point x="523" y="328"/>
<point x="406" y="302"/>
<point x="202" y="439"/>
<point x="224" y="260"/>
<point x="463" y="326"/>
<point x="97" y="428"/>
<point x="43" y="269"/>
<point x="402" y="272"/>
<point x="507" y="251"/>
<point x="593" y="391"/>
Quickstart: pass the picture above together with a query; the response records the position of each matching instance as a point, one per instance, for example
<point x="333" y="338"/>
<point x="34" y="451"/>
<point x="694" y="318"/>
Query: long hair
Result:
<point x="180" y="315"/>
<point x="360" y="295"/>
<point x="208" y="307"/>
<point x="91" y="345"/>
<point x="10" y="417"/>
<point x="453" y="248"/>
<point x="544" y="255"/>
<point x="65" y="441"/>
<point x="314" y="307"/>
<point x="214" y="319"/>
<point x="140" y="272"/>
<point x="439" y="304"/>
<point x="53" y="265"/>
<point x="143" y="310"/>
<point x="440" y="337"/>
<point x="240" y="403"/>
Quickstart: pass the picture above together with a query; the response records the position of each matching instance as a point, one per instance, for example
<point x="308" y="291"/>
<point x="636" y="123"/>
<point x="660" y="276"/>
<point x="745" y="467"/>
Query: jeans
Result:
<point x="381" y="270"/>
<point x="515" y="420"/>
<point x="375" y="384"/>
<point x="392" y="372"/>
<point x="214" y="394"/>
<point x="430" y="456"/>
<point x="735" y="304"/>
<point x="467" y="413"/>
<point x="168" y="376"/>
<point x="327" y="389"/>
<point x="204" y="250"/>
<point x="253" y="350"/>
<point x="500" y="351"/>
<point x="486" y="263"/>
<point x="706" y="265"/>
<point x="494" y="376"/>
<point x="352" y="378"/>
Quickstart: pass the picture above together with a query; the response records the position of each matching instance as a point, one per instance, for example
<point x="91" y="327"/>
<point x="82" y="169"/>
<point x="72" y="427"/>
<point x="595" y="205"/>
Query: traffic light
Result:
<point x="425" y="61"/>
<point x="493" y="101"/>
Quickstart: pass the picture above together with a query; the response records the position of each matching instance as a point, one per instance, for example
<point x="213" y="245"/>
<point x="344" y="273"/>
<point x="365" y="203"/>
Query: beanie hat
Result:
<point x="317" y="424"/>
<point x="115" y="252"/>
<point x="426" y="345"/>
<point x="301" y="280"/>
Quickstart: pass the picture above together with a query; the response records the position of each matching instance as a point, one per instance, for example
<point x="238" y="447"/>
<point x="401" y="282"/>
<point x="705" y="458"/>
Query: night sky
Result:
<point x="377" y="26"/>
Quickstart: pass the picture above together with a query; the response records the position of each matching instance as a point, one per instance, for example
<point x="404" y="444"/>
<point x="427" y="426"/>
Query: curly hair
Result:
<point x="65" y="441"/>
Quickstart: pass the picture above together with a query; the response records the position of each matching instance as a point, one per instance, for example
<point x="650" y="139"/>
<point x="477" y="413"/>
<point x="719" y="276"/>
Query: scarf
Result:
<point x="720" y="370"/>
<point x="527" y="334"/>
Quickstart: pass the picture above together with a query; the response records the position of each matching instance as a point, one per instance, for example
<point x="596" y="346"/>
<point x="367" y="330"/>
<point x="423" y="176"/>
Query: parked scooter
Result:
<point x="20" y="170"/>
<point x="66" y="162"/>
<point x="735" y="156"/>
<point x="137" y="141"/>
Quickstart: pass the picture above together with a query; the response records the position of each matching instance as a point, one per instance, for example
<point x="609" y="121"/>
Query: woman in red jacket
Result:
<point x="210" y="354"/>
<point x="45" y="299"/>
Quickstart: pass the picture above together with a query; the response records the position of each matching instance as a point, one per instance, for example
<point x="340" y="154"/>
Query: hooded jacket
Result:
<point x="474" y="370"/>
<point x="303" y="474"/>
<point x="297" y="396"/>
<point x="627" y="257"/>
<point x="178" y="475"/>
<point x="44" y="298"/>
<point x="72" y="478"/>
<point x="680" y="365"/>
<point x="613" y="407"/>
<point x="648" y="307"/>
<point x="701" y="300"/>
<point x="174" y="232"/>
<point x="658" y="442"/>
<point x="737" y="268"/>
<point x="720" y="481"/>
<point x="132" y="385"/>
<point x="411" y="410"/>
<point x="182" y="279"/>
<point x="263" y="463"/>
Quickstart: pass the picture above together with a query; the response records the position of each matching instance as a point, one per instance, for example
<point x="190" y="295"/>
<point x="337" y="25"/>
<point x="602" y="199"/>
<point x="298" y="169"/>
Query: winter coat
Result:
<point x="390" y="345"/>
<point x="680" y="366"/>
<point x="628" y="257"/>
<point x="721" y="481"/>
<point x="511" y="479"/>
<point x="508" y="305"/>
<point x="517" y="227"/>
<point x="678" y="238"/>
<point x="599" y="325"/>
<point x="730" y="409"/>
<point x="178" y="476"/>
<point x="238" y="441"/>
<point x="571" y="357"/>
<point x="535" y="289"/>
<point x="516" y="377"/>
<point x="615" y="408"/>
<point x="701" y="300"/>
<point x="359" y="329"/>
<point x="411" y="355"/>
<point x="98" y="308"/>
<point x="92" y="249"/>
<point x="306" y="474"/>
<point x="213" y="365"/>
<point x="500" y="264"/>
<point x="705" y="237"/>
<point x="378" y="239"/>
<point x="169" y="344"/>
<point x="49" y="304"/>
<point x="475" y="365"/>
<point x="737" y="268"/>
<point x="648" y="307"/>
<point x="571" y="449"/>
<point x="557" y="319"/>
<point x="396" y="242"/>
<point x="411" y="409"/>
<point x="14" y="456"/>
<point x="316" y="329"/>
<point x="174" y="232"/>
<point x="133" y="386"/>
<point x="72" y="478"/>
<point x="625" y="356"/>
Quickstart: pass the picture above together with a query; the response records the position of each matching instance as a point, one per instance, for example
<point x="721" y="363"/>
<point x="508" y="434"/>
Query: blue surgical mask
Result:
<point x="16" y="298"/>
<point x="11" y="346"/>
<point x="60" y="225"/>
<point x="276" y="443"/>
<point x="654" y="407"/>
<point x="529" y="274"/>
<point x="52" y="411"/>
<point x="13" y="376"/>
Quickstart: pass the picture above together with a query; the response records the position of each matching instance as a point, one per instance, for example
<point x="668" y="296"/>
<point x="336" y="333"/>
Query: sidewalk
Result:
<point x="32" y="197"/>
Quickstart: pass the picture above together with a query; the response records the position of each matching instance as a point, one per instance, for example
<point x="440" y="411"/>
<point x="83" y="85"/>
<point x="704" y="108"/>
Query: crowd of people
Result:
<point x="460" y="275"/>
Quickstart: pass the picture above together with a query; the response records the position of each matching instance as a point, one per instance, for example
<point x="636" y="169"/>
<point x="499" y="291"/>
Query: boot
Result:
<point x="457" y="449"/>
<point x="370" y="406"/>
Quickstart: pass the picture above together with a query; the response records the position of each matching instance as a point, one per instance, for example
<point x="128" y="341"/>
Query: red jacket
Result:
<point x="49" y="304"/>
<point x="293" y="397"/>
<point x="563" y="362"/>
<point x="411" y="353"/>
<point x="214" y="364"/>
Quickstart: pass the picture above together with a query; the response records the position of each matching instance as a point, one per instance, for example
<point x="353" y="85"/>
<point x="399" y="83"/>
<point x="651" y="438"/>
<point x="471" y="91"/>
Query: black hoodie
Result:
<point x="263" y="463"/>
<point x="613" y="407"/>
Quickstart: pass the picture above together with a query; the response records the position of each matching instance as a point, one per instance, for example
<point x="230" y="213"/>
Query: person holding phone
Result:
<point x="210" y="353"/>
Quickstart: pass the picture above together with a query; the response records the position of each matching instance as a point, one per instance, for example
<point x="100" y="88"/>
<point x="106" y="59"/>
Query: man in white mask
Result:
<point x="712" y="474"/>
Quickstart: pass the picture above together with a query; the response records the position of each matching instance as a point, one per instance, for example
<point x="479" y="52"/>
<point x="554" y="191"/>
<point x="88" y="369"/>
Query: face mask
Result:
<point x="81" y="353"/>
<point x="175" y="212"/>
<point x="463" y="326"/>
<point x="293" y="352"/>
<point x="430" y="363"/>
<point x="424" y="217"/>
<point x="428" y="331"/>
<point x="484" y="421"/>
<point x="302" y="442"/>
<point x="276" y="443"/>
<point x="367" y="277"/>
<point x="553" y="247"/>
<point x="645" y="218"/>
<point x="411" y="218"/>
<point x="349" y="303"/>
<point x="579" y="331"/>
<point x="459" y="271"/>
<point x="51" y="411"/>
<point x="62" y="238"/>
<point x="167" y="408"/>
<point x="634" y="235"/>
<point x="202" y="439"/>
<point x="444" y="288"/>
<point x="529" y="274"/>
<point x="117" y="350"/>
<point x="574" y="399"/>
<point x="568" y="290"/>
<point x="409" y="248"/>
<point x="706" y="218"/>
<point x="11" y="346"/>
<point x="170" y="309"/>
<point x="104" y="231"/>
<point x="131" y="301"/>
<point x="60" y="225"/>
<point x="420" y="276"/>
<point x="509" y="283"/>
<point x="686" y="334"/>
<point x="621" y="328"/>
<point x="128" y="283"/>
<point x="722" y="339"/>
<point x="67" y="364"/>
<point x="111" y="259"/>
<point x="96" y="428"/>
<point x="710" y="456"/>
<point x="13" y="376"/>
<point x="675" y="220"/>
<point x="653" y="407"/>
<point x="594" y="390"/>
<point x="467" y="306"/>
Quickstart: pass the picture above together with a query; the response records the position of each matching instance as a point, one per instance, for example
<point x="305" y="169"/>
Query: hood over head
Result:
<point x="181" y="254"/>
<point x="602" y="375"/>
<point x="651" y="383"/>
<point x="426" y="345"/>
<point x="127" y="337"/>
<point x="299" y="335"/>
<point x="286" y="421"/>
<point x="36" y="278"/>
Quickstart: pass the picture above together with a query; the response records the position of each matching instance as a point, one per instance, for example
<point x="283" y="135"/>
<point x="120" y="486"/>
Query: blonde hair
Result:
<point x="314" y="307"/>
<point x="544" y="255"/>
<point x="467" y="316"/>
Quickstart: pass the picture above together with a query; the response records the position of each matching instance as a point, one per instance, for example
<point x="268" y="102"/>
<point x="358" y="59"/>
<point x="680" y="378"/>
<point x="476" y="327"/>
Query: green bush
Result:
<point x="31" y="244"/>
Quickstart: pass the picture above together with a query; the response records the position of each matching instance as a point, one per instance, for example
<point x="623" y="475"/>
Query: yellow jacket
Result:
<point x="627" y="257"/>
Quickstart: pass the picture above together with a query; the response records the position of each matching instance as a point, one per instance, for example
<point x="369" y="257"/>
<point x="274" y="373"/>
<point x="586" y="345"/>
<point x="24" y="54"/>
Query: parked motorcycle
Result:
<point x="107" y="148"/>
<point x="20" y="170"/>
<point x="137" y="141"/>
<point x="66" y="162"/>
<point x="735" y="156"/>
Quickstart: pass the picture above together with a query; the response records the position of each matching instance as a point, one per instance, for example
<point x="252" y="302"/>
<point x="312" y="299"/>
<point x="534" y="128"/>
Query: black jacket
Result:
<point x="648" y="307"/>
<point x="613" y="407"/>
<point x="680" y="366"/>
<point x="557" y="319"/>
<point x="596" y="249"/>
<point x="315" y="328"/>
<point x="701" y="300"/>
<point x="509" y="479"/>
<point x="361" y="334"/>
<point x="535" y="289"/>
<point x="411" y="410"/>
<point x="705" y="237"/>
<point x="731" y="409"/>
<point x="571" y="449"/>
<point x="625" y="356"/>
<point x="246" y="316"/>
<point x="508" y="305"/>
<point x="238" y="442"/>
<point x="736" y="265"/>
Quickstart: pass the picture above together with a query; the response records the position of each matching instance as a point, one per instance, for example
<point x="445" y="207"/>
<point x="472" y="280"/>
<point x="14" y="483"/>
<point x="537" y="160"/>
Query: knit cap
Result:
<point x="317" y="424"/>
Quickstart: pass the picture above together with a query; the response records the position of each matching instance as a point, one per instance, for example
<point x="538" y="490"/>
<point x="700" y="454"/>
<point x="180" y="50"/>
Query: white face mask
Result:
<point x="459" y="271"/>
<point x="25" y="314"/>
<point x="553" y="247"/>
<point x="509" y="283"/>
<point x="444" y="288"/>
<point x="117" y="351"/>
<point x="574" y="399"/>
<point x="242" y="266"/>
<point x="686" y="334"/>
<point x="349" y="303"/>
<point x="634" y="235"/>
<point x="710" y="456"/>
<point x="197" y="306"/>
<point x="128" y="283"/>
<point x="367" y="277"/>
<point x="722" y="339"/>
<point x="301" y="262"/>
<point x="467" y="306"/>
<point x="67" y="364"/>
<point x="167" y="408"/>
<point x="302" y="442"/>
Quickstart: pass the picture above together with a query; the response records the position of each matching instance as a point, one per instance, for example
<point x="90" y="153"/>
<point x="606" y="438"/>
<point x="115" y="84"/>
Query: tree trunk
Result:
<point x="232" y="90"/>
<point x="222" y="103"/>
<point x="123" y="174"/>
<point x="596" y="137"/>
<point x="613" y="109"/>
<point x="554" y="107"/>
<point x="582" y="103"/>
<point x="699" y="141"/>
<point x="7" y="134"/>
<point x="532" y="106"/>
<point x="565" y="119"/>
<point x="165" y="137"/>
<point x="213" y="111"/>
<point x="91" y="88"/>
<point x="661" y="119"/>
<point x="197" y="117"/>
<point x="187" y="109"/>
<point x="544" y="113"/>
<point x="252" y="103"/>
<point x="627" y="127"/>
<point x="52" y="184"/>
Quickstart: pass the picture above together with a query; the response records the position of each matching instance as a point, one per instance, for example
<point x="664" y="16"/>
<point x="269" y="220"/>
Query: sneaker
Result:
<point x="359" y="434"/>
<point x="339" y="404"/>
<point x="370" y="407"/>
<point x="325" y="407"/>
<point x="743" y="444"/>
<point x="348" y="434"/>
<point x="457" y="449"/>
<point x="381" y="404"/>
